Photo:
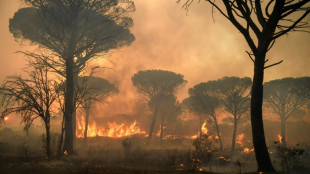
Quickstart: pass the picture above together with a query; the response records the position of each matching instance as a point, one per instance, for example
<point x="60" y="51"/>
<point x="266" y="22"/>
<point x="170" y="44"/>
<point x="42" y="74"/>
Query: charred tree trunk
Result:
<point x="218" y="133"/>
<point x="261" y="152"/>
<point x="233" y="143"/>
<point x="87" y="110"/>
<point x="75" y="79"/>
<point x="283" y="121"/>
<point x="152" y="125"/>
<point x="69" y="108"/>
<point x="48" y="139"/>
<point x="59" y="150"/>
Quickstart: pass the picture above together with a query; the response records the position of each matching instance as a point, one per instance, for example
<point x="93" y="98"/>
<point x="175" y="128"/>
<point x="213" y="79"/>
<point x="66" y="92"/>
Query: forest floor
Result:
<point x="112" y="158"/>
<point x="82" y="166"/>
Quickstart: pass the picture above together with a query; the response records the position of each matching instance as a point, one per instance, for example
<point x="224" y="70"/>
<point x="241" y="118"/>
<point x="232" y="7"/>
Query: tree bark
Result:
<point x="261" y="152"/>
<point x="69" y="108"/>
<point x="152" y="125"/>
<point x="283" y="121"/>
<point x="48" y="141"/>
<point x="233" y="143"/>
<point x="218" y="133"/>
<point x="61" y="137"/>
<point x="75" y="79"/>
<point x="87" y="109"/>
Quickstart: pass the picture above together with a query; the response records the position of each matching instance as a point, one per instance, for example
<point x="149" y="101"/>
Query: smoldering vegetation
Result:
<point x="23" y="152"/>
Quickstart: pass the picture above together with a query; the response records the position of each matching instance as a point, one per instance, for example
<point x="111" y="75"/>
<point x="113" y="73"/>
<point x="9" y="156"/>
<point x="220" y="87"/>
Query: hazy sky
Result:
<point x="168" y="38"/>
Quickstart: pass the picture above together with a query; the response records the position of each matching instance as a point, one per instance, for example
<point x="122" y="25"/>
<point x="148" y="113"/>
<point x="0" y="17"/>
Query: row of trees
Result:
<point x="285" y="97"/>
<point x="35" y="96"/>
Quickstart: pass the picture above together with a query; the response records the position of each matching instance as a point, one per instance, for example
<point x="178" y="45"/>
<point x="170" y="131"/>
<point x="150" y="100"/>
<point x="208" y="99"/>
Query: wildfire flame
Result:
<point x="204" y="128"/>
<point x="280" y="138"/>
<point x="247" y="150"/>
<point x="239" y="139"/>
<point x="204" y="131"/>
<point x="113" y="130"/>
<point x="6" y="118"/>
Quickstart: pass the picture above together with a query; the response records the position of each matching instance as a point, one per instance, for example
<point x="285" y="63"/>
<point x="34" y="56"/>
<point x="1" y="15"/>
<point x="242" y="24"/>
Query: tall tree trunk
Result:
<point x="283" y="121"/>
<point x="261" y="152"/>
<point x="233" y="142"/>
<point x="75" y="79"/>
<point x="59" y="150"/>
<point x="200" y="128"/>
<point x="69" y="108"/>
<point x="218" y="133"/>
<point x="161" y="131"/>
<point x="152" y="125"/>
<point x="87" y="109"/>
<point x="48" y="139"/>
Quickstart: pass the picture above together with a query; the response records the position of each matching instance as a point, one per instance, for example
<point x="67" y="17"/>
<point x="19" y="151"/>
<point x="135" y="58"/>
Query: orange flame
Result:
<point x="114" y="130"/>
<point x="247" y="150"/>
<point x="6" y="118"/>
<point x="239" y="139"/>
<point x="280" y="138"/>
<point x="204" y="128"/>
<point x="204" y="131"/>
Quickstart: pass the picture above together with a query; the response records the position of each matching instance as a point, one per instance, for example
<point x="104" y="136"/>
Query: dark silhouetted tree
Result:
<point x="285" y="97"/>
<point x="96" y="89"/>
<point x="261" y="23"/>
<point x="31" y="98"/>
<point x="168" y="112"/>
<point x="202" y="102"/>
<point x="233" y="92"/>
<point x="70" y="34"/>
<point x="154" y="85"/>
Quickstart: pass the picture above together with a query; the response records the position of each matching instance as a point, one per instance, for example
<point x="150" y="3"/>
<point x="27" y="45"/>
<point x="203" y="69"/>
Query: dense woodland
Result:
<point x="228" y="125"/>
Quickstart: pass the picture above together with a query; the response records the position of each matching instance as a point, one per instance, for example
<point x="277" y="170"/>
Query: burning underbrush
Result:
<point x="122" y="147"/>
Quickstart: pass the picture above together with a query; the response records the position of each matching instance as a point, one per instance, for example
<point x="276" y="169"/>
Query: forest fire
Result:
<point x="280" y="138"/>
<point x="239" y="139"/>
<point x="113" y="130"/>
<point x="247" y="150"/>
<point x="204" y="131"/>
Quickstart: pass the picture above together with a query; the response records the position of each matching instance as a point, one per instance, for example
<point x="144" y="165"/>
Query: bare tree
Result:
<point x="72" y="33"/>
<point x="31" y="98"/>
<point x="261" y="23"/>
